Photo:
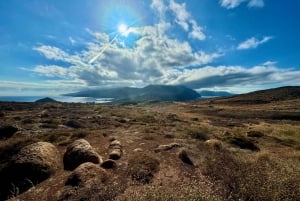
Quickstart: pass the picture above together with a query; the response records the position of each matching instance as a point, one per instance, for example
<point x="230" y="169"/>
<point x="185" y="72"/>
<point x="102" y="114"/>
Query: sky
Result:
<point x="52" y="47"/>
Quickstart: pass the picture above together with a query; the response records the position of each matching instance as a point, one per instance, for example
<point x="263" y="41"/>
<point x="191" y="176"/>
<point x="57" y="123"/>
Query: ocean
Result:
<point x="66" y="99"/>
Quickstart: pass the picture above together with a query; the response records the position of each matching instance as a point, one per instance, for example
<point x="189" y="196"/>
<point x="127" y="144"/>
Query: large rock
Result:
<point x="184" y="156"/>
<point x="166" y="147"/>
<point x="90" y="182"/>
<point x="7" y="132"/>
<point x="85" y="174"/>
<point x="30" y="166"/>
<point x="109" y="164"/>
<point x="115" y="150"/>
<point x="80" y="151"/>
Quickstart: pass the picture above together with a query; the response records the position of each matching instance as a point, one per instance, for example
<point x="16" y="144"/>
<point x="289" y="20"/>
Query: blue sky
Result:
<point x="54" y="47"/>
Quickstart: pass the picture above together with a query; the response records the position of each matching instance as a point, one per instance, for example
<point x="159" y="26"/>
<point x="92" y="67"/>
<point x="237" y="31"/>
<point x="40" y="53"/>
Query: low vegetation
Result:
<point x="237" y="153"/>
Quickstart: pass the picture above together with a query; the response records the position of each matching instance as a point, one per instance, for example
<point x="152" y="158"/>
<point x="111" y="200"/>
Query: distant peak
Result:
<point x="45" y="100"/>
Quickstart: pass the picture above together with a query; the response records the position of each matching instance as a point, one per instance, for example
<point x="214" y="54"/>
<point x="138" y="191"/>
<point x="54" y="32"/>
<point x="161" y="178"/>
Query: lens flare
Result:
<point x="123" y="28"/>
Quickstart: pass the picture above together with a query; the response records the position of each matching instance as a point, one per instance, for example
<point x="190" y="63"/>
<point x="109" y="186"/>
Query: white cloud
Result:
<point x="236" y="77"/>
<point x="155" y="58"/>
<point x="184" y="19"/>
<point x="256" y="3"/>
<point x="196" y="32"/>
<point x="230" y="4"/>
<point x="181" y="14"/>
<point x="159" y="6"/>
<point x="152" y="56"/>
<point x="51" y="71"/>
<point x="253" y="43"/>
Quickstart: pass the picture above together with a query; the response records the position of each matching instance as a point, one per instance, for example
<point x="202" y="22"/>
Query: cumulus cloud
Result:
<point x="51" y="71"/>
<point x="253" y="43"/>
<point x="155" y="58"/>
<point x="152" y="56"/>
<point x="159" y="6"/>
<point x="186" y="21"/>
<point x="230" y="4"/>
<point x="236" y="76"/>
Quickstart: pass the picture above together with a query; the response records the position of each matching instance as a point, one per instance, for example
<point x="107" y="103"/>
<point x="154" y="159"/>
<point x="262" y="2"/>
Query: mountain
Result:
<point x="265" y="96"/>
<point x="46" y="100"/>
<point x="148" y="93"/>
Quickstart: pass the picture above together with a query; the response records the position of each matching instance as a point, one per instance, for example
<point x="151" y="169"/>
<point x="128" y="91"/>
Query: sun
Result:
<point x="123" y="28"/>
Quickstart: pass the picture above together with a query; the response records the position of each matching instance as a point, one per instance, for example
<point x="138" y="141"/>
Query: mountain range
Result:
<point x="148" y="93"/>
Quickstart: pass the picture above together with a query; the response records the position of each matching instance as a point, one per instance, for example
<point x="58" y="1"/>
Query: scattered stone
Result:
<point x="169" y="136"/>
<point x="85" y="173"/>
<point x="214" y="144"/>
<point x="167" y="147"/>
<point x="116" y="144"/>
<point x="2" y="114"/>
<point x="254" y="134"/>
<point x="31" y="165"/>
<point x="124" y="120"/>
<point x="80" y="151"/>
<point x="183" y="155"/>
<point x="7" y="132"/>
<point x="115" y="150"/>
<point x="109" y="164"/>
<point x="138" y="150"/>
<point x="173" y="117"/>
<point x="74" y="124"/>
<point x="115" y="154"/>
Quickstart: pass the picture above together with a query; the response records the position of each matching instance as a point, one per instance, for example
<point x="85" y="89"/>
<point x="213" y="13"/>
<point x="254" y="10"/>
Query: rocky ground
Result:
<point x="202" y="150"/>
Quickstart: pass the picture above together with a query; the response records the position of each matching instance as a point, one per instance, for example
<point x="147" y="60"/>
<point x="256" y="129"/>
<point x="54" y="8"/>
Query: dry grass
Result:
<point x="258" y="178"/>
<point x="142" y="167"/>
<point x="271" y="172"/>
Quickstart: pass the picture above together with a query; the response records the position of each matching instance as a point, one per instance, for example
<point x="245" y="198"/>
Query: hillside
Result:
<point x="264" y="96"/>
<point x="182" y="151"/>
<point x="148" y="93"/>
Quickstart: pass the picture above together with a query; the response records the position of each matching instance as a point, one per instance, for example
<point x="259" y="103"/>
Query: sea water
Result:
<point x="67" y="99"/>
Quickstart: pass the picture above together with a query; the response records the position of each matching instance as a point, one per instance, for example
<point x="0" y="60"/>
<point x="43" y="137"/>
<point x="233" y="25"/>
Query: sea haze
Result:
<point x="66" y="99"/>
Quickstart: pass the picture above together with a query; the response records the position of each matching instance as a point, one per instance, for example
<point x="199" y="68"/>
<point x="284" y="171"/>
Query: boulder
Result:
<point x="115" y="150"/>
<point x="90" y="182"/>
<point x="115" y="154"/>
<point x="31" y="165"/>
<point x="109" y="164"/>
<point x="85" y="174"/>
<point x="183" y="155"/>
<point x="7" y="132"/>
<point x="115" y="144"/>
<point x="80" y="151"/>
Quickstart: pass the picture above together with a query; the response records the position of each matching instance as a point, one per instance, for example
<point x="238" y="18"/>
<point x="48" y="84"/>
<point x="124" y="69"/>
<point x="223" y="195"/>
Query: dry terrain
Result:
<point x="215" y="149"/>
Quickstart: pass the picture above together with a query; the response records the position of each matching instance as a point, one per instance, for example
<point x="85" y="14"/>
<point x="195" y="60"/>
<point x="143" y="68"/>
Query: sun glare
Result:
<point x="122" y="28"/>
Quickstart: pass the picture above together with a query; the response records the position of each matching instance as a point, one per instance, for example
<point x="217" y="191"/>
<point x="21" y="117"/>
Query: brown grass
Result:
<point x="142" y="167"/>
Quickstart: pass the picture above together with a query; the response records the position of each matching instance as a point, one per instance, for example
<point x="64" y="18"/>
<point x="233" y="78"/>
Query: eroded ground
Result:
<point x="233" y="165"/>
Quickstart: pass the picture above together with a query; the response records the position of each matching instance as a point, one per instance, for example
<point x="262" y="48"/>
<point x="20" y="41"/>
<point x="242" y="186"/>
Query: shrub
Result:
<point x="242" y="143"/>
<point x="258" y="179"/>
<point x="255" y="134"/>
<point x="198" y="133"/>
<point x="74" y="124"/>
<point x="142" y="167"/>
